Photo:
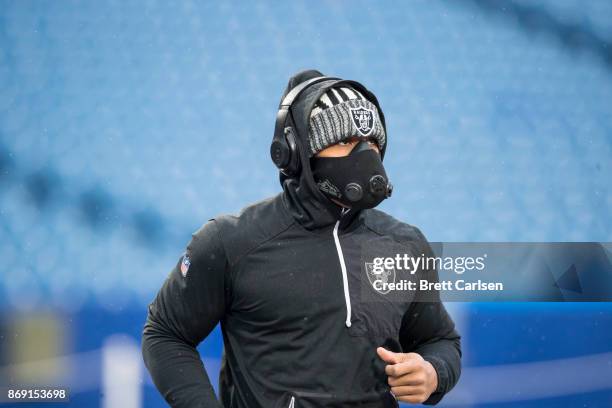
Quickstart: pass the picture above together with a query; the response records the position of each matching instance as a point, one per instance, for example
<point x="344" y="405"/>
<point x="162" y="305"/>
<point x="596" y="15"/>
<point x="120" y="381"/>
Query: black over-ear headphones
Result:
<point x="284" y="147"/>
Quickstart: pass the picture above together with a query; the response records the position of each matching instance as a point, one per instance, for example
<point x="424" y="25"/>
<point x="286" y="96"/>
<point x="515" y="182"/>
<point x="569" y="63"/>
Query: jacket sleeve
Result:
<point x="186" y="309"/>
<point x="428" y="330"/>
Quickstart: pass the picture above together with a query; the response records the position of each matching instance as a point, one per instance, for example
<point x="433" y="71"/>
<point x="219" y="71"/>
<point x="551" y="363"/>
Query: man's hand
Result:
<point x="412" y="379"/>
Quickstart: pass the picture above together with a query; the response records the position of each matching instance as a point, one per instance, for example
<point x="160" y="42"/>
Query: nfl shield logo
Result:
<point x="379" y="279"/>
<point x="363" y="119"/>
<point x="185" y="265"/>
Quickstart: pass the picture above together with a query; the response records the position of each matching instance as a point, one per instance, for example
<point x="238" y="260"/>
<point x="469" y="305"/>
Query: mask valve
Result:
<point x="353" y="192"/>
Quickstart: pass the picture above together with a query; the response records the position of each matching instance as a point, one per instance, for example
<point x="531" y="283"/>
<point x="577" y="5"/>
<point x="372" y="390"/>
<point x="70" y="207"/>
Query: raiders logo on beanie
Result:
<point x="341" y="113"/>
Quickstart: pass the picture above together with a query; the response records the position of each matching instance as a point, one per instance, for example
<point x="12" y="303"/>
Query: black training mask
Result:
<point x="358" y="180"/>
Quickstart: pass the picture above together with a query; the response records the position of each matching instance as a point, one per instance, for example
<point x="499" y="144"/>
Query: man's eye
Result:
<point x="344" y="142"/>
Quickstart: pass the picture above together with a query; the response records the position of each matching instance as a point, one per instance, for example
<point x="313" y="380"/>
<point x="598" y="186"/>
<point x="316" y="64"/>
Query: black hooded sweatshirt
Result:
<point x="287" y="280"/>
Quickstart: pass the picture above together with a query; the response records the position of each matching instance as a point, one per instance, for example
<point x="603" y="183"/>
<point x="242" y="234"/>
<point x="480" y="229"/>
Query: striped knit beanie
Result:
<point x="341" y="113"/>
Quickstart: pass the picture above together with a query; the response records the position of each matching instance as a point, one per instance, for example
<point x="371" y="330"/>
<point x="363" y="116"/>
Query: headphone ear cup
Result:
<point x="285" y="153"/>
<point x="293" y="166"/>
<point x="280" y="153"/>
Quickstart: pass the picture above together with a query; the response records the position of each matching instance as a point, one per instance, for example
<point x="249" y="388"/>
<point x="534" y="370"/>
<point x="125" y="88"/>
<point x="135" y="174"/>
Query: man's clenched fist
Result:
<point x="412" y="379"/>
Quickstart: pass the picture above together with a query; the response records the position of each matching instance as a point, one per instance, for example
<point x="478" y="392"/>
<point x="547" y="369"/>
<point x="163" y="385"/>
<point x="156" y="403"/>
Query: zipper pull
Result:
<point x="343" y="212"/>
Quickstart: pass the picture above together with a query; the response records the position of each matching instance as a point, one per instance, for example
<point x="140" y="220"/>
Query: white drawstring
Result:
<point x="347" y="297"/>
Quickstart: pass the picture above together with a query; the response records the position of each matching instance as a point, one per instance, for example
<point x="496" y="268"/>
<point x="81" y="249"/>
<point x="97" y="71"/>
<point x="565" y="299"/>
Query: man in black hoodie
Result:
<point x="306" y="321"/>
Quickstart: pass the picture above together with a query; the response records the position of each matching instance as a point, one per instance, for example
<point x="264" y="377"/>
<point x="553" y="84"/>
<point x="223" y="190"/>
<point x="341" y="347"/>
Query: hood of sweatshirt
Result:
<point x="307" y="204"/>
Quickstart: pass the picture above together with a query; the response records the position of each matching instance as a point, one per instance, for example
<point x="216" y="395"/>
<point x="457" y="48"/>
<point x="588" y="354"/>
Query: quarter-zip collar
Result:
<point x="316" y="213"/>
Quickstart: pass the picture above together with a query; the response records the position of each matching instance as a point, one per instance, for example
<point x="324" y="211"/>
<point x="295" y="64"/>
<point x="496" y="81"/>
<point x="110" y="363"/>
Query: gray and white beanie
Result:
<point x="341" y="113"/>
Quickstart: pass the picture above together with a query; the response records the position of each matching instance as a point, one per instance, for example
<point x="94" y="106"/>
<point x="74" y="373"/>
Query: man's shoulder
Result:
<point x="385" y="224"/>
<point x="252" y="225"/>
<point x="267" y="212"/>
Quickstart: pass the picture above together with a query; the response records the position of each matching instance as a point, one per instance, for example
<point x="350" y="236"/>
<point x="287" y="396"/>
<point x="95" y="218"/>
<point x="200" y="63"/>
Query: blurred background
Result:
<point x="124" y="126"/>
